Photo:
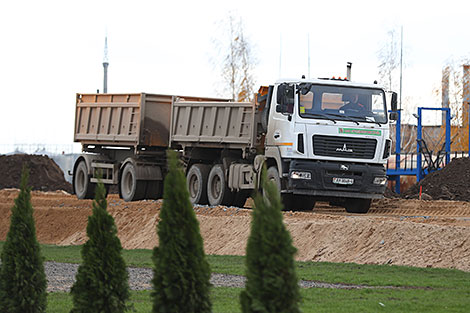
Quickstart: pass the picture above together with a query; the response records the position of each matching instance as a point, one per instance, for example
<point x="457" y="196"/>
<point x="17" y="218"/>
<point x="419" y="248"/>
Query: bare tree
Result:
<point x="236" y="60"/>
<point x="389" y="61"/>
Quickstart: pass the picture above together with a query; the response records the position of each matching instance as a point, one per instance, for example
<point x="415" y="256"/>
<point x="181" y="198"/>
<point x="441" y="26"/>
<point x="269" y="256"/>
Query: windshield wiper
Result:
<point x="319" y="115"/>
<point x="346" y="117"/>
<point x="356" y="119"/>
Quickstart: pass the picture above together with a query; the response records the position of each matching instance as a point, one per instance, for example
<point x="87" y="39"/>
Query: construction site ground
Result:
<point x="422" y="233"/>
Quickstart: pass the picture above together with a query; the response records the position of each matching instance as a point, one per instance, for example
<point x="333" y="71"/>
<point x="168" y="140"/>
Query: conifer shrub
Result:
<point x="22" y="279"/>
<point x="102" y="279"/>
<point x="272" y="284"/>
<point x="181" y="274"/>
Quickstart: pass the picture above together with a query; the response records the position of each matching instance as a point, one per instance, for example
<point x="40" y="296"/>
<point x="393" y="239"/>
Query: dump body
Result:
<point x="214" y="124"/>
<point x="125" y="120"/>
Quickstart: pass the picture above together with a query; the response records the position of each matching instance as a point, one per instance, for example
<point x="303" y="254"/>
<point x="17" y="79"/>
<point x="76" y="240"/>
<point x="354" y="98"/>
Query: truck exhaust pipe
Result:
<point x="348" y="71"/>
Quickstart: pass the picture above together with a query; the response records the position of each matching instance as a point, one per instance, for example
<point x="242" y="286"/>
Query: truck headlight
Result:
<point x="380" y="181"/>
<point x="300" y="175"/>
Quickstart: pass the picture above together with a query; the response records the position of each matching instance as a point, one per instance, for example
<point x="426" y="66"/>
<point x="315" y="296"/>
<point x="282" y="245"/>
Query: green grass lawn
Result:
<point x="225" y="300"/>
<point x="420" y="290"/>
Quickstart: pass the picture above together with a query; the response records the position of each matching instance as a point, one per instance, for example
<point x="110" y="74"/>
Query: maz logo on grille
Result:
<point x="344" y="149"/>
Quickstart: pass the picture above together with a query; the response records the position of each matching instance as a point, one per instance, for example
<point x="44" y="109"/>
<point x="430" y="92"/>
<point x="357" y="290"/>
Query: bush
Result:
<point x="22" y="278"/>
<point x="102" y="278"/>
<point x="271" y="279"/>
<point x="181" y="274"/>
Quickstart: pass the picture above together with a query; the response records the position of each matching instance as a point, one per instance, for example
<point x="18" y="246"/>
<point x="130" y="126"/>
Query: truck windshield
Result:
<point x="344" y="103"/>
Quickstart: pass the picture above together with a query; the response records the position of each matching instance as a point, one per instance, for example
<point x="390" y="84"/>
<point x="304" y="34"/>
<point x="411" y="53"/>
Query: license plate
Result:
<point x="343" y="181"/>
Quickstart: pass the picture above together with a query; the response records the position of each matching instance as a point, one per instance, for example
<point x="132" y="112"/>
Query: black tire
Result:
<point x="218" y="192"/>
<point x="272" y="175"/>
<point x="360" y="206"/>
<point x="131" y="188"/>
<point x="154" y="189"/>
<point x="196" y="181"/>
<point x="83" y="187"/>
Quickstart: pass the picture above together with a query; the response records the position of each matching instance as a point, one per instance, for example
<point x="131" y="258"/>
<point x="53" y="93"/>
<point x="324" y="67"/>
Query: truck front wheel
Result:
<point x="131" y="188"/>
<point x="357" y="205"/>
<point x="218" y="192"/>
<point x="196" y="180"/>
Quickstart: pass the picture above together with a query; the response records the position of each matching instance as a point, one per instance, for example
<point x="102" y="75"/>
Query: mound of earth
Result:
<point x="396" y="231"/>
<point x="450" y="183"/>
<point x="44" y="173"/>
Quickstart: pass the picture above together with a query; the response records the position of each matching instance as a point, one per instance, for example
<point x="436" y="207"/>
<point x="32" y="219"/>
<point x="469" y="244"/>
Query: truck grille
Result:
<point x="344" y="147"/>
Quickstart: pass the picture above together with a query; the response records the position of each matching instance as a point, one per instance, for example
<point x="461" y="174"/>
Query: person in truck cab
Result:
<point x="353" y="103"/>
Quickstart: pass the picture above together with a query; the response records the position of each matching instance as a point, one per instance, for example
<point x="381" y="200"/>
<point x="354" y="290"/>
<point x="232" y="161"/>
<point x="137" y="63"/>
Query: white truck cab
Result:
<point x="330" y="141"/>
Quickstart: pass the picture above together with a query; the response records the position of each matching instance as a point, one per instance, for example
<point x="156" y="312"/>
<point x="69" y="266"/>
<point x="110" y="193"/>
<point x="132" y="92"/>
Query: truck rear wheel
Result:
<point x="131" y="188"/>
<point x="218" y="192"/>
<point x="357" y="205"/>
<point x="196" y="180"/>
<point x="83" y="187"/>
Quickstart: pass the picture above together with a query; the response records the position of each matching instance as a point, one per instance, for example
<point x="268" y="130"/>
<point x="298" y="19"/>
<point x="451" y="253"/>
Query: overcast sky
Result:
<point x="50" y="50"/>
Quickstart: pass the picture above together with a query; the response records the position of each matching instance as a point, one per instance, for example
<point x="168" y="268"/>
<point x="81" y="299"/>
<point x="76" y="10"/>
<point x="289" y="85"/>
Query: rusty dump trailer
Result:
<point x="125" y="137"/>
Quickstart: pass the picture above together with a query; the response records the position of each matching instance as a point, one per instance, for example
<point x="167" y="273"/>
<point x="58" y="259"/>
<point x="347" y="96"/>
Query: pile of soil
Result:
<point x="396" y="231"/>
<point x="44" y="173"/>
<point x="450" y="183"/>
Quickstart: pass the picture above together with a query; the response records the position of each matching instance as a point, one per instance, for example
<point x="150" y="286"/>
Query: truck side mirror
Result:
<point x="393" y="116"/>
<point x="393" y="104"/>
<point x="285" y="99"/>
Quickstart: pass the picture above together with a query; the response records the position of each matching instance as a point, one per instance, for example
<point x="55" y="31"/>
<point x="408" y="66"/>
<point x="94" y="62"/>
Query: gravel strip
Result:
<point x="61" y="276"/>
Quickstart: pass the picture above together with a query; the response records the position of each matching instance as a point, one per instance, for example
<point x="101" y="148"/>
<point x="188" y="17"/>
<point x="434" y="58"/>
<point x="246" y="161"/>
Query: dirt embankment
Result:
<point x="397" y="231"/>
<point x="44" y="173"/>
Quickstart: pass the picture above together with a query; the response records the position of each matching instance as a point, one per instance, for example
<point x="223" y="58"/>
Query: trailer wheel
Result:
<point x="357" y="205"/>
<point x="84" y="189"/>
<point x="131" y="188"/>
<point x="196" y="180"/>
<point x="217" y="190"/>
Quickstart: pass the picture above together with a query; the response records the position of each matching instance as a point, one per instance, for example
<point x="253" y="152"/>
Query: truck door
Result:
<point x="280" y="126"/>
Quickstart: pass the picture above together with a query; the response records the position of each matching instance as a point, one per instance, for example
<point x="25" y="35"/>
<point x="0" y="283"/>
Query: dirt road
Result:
<point x="396" y="231"/>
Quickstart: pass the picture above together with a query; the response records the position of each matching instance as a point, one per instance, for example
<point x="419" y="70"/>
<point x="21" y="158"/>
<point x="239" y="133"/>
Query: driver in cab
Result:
<point x="353" y="103"/>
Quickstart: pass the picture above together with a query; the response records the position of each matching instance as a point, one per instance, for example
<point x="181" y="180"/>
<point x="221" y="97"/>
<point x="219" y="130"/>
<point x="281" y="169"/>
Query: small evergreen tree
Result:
<point x="102" y="278"/>
<point x="181" y="274"/>
<point x="22" y="278"/>
<point x="271" y="285"/>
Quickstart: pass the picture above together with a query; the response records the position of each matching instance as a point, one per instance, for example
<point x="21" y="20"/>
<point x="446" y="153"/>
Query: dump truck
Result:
<point x="314" y="144"/>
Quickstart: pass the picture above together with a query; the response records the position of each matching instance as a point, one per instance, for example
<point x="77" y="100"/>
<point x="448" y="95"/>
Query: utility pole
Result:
<point x="105" y="65"/>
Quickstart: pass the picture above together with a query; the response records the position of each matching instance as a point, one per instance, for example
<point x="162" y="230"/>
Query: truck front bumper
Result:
<point x="336" y="179"/>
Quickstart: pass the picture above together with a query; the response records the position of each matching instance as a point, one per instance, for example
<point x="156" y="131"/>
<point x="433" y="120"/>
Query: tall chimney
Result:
<point x="105" y="65"/>
<point x="465" y="98"/>
<point x="445" y="91"/>
<point x="348" y="71"/>
<point x="445" y="86"/>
